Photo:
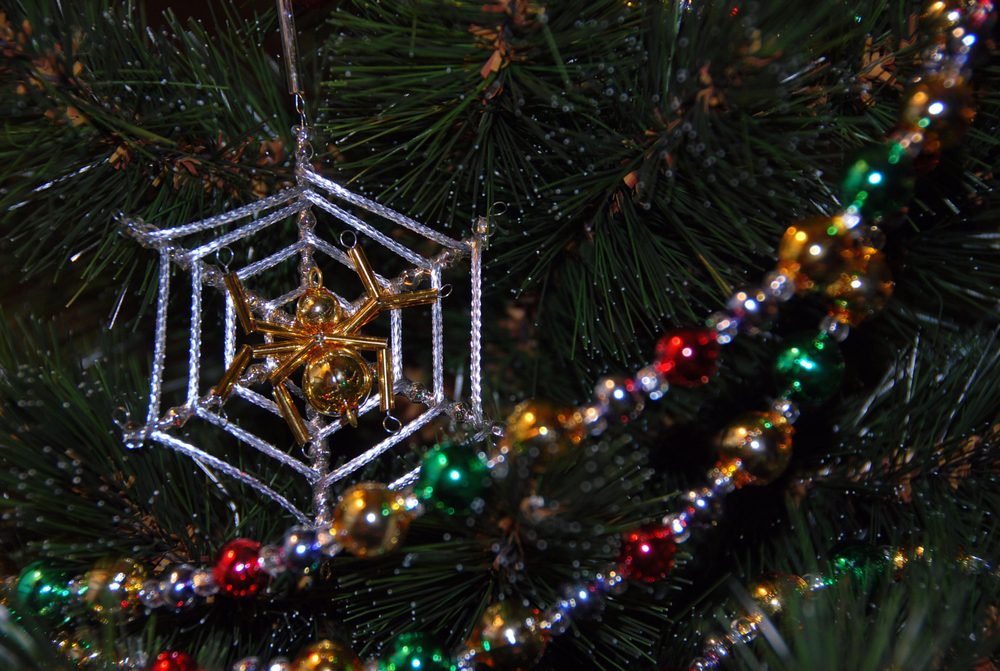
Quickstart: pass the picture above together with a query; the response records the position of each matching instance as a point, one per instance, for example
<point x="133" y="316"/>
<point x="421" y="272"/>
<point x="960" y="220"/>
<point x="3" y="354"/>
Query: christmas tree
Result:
<point x="729" y="398"/>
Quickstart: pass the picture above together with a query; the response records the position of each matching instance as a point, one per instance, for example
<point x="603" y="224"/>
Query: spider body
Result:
<point x="326" y="343"/>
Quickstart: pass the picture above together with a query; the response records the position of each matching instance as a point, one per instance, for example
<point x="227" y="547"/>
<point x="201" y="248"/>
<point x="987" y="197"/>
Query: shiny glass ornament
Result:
<point x="814" y="251"/>
<point x="647" y="554"/>
<point x="41" y="591"/>
<point x="756" y="448"/>
<point x="863" y="288"/>
<point x="687" y="357"/>
<point x="541" y="427"/>
<point x="327" y="656"/>
<point x="508" y="637"/>
<point x="113" y="586"/>
<point x="177" y="588"/>
<point x="174" y="661"/>
<point x="204" y="582"/>
<point x="941" y="106"/>
<point x="301" y="550"/>
<point x="272" y="560"/>
<point x="414" y="652"/>
<point x="238" y="571"/>
<point x="879" y="181"/>
<point x="318" y="308"/>
<point x="620" y="397"/>
<point x="248" y="664"/>
<point x="370" y="519"/>
<point x="336" y="381"/>
<point x="452" y="476"/>
<point x="809" y="367"/>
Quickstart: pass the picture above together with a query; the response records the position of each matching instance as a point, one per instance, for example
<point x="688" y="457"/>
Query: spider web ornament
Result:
<point x="193" y="247"/>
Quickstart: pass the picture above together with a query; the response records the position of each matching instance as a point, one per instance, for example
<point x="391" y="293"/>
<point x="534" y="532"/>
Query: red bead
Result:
<point x="647" y="554"/>
<point x="687" y="357"/>
<point x="238" y="571"/>
<point x="174" y="661"/>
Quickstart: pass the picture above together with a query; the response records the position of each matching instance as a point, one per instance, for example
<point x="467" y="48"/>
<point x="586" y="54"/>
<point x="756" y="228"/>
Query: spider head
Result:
<point x="317" y="308"/>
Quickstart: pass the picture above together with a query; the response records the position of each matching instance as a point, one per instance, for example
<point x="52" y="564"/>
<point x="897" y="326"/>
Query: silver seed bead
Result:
<point x="652" y="383"/>
<point x="814" y="582"/>
<point x="717" y="646"/>
<point x="204" y="583"/>
<point x="327" y="540"/>
<point x="779" y="286"/>
<point x="150" y="595"/>
<point x="177" y="587"/>
<point x="726" y="327"/>
<point x="272" y="560"/>
<point x="786" y="409"/>
<point x="704" y="664"/>
<point x="835" y="329"/>
<point x="279" y="664"/>
<point x="620" y="398"/>
<point x="248" y="664"/>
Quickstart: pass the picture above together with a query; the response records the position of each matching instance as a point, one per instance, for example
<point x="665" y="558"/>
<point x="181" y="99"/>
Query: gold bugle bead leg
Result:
<point x="357" y="341"/>
<point x="386" y="397"/>
<point x="365" y="271"/>
<point x="409" y="299"/>
<point x="232" y="375"/>
<point x="277" y="348"/>
<point x="291" y="414"/>
<point x="291" y="363"/>
<point x="367" y="312"/>
<point x="278" y="330"/>
<point x="240" y="302"/>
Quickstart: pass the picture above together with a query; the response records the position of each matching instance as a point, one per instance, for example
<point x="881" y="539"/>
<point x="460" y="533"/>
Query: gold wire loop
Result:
<point x="225" y="256"/>
<point x="391" y="424"/>
<point x="315" y="277"/>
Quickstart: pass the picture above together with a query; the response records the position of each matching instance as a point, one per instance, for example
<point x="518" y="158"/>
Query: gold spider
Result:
<point x="327" y="342"/>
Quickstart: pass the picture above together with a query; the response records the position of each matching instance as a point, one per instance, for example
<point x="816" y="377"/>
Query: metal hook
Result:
<point x="348" y="235"/>
<point x="391" y="424"/>
<point x="315" y="277"/>
<point x="225" y="256"/>
<point x="445" y="291"/>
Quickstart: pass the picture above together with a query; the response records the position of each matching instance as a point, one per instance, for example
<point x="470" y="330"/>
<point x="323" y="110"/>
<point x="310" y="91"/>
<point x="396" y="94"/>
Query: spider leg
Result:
<point x="386" y="393"/>
<point x="278" y="349"/>
<point x="408" y="299"/>
<point x="232" y="375"/>
<point x="240" y="302"/>
<point x="367" y="312"/>
<point x="278" y="330"/>
<point x="291" y="414"/>
<point x="365" y="271"/>
<point x="356" y="341"/>
<point x="279" y="374"/>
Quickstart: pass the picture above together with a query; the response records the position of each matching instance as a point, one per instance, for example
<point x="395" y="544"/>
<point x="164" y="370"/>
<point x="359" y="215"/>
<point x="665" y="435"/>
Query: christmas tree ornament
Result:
<point x="809" y="368"/>
<point x="174" y="661"/>
<point x="237" y="571"/>
<point x="301" y="550"/>
<point x="327" y="656"/>
<point x="543" y="429"/>
<point x="619" y="398"/>
<point x="940" y="106"/>
<point x="863" y="288"/>
<point x="248" y="664"/>
<point x="687" y="357"/>
<point x="414" y="652"/>
<point x="452" y="477"/>
<point x="647" y="554"/>
<point x="508" y="637"/>
<point x="370" y="520"/>
<point x="770" y="593"/>
<point x="311" y="346"/>
<point x="756" y="448"/>
<point x="815" y="251"/>
<point x="879" y="181"/>
<point x="41" y="591"/>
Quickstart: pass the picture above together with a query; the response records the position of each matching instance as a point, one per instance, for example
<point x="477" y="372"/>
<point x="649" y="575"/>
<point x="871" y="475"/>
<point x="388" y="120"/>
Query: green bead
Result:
<point x="879" y="181"/>
<point x="415" y="652"/>
<point x="40" y="591"/>
<point x="452" y="477"/>
<point x="809" y="368"/>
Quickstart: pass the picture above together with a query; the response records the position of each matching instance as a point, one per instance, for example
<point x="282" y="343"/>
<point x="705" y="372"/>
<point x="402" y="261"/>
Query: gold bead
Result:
<point x="370" y="519"/>
<point x="549" y="428"/>
<point x="941" y="107"/>
<point x="336" y="381"/>
<point x="508" y="637"/>
<point x="755" y="448"/>
<point x="814" y="251"/>
<point x="327" y="656"/>
<point x="113" y="586"/>
<point x="318" y="308"/>
<point x="771" y="592"/>
<point x="863" y="288"/>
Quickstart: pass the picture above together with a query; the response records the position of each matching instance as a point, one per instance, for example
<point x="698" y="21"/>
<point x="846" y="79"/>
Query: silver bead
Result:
<point x="652" y="383"/>
<point x="814" y="582"/>
<point x="620" y="398"/>
<point x="704" y="664"/>
<point x="679" y="524"/>
<point x="272" y="560"/>
<point x="743" y="630"/>
<point x="327" y="540"/>
<point x="750" y="305"/>
<point x="554" y="623"/>
<point x="248" y="664"/>
<point x="725" y="326"/>
<point x="717" y="646"/>
<point x="204" y="583"/>
<point x="279" y="664"/>
<point x="786" y="409"/>
<point x="592" y="417"/>
<point x="779" y="286"/>
<point x="150" y="595"/>
<point x="835" y="329"/>
<point x="177" y="588"/>
<point x="301" y="550"/>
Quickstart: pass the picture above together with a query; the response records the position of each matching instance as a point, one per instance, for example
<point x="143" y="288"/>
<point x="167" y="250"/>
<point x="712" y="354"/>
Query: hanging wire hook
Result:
<point x="348" y="240"/>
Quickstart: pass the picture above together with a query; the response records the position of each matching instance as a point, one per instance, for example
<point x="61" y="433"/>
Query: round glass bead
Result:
<point x="879" y="181"/>
<point x="687" y="357"/>
<point x="272" y="560"/>
<point x="863" y="288"/>
<point x="370" y="519"/>
<point x="414" y="652"/>
<point x="814" y="251"/>
<point x="237" y="571"/>
<point x="941" y="105"/>
<point x="654" y="385"/>
<point x="725" y="326"/>
<point x="177" y="588"/>
<point x="647" y="554"/>
<point x="809" y="368"/>
<point x="620" y="398"/>
<point x="756" y="448"/>
<point x="452" y="477"/>
<point x="301" y="550"/>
